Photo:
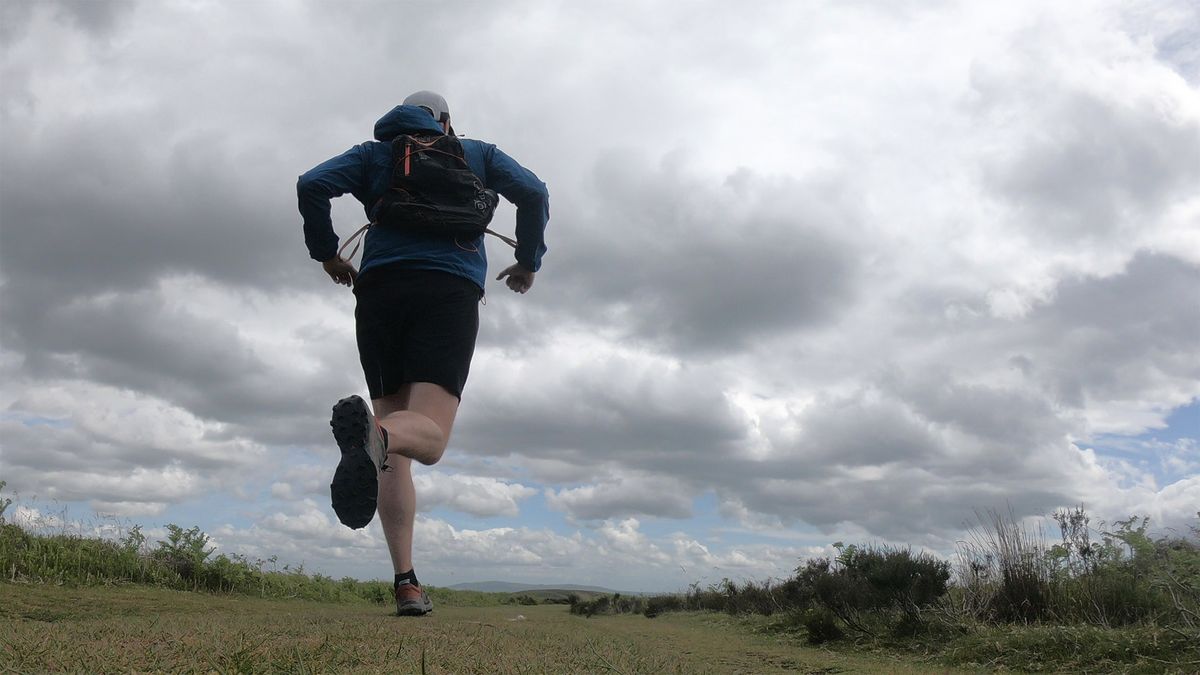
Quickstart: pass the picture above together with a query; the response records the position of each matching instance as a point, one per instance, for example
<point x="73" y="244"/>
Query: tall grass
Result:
<point x="49" y="552"/>
<point x="1008" y="574"/>
<point x="172" y="563"/>
<point x="1106" y="599"/>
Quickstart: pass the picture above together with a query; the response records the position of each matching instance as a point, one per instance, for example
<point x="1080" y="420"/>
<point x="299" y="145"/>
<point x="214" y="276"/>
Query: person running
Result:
<point x="416" y="319"/>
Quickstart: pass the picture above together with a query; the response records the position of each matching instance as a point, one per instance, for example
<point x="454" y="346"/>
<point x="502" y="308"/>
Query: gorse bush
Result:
<point x="871" y="586"/>
<point x="861" y="587"/>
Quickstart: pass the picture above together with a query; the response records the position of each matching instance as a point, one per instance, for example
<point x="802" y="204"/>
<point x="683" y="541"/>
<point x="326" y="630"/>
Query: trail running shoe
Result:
<point x="412" y="601"/>
<point x="355" y="486"/>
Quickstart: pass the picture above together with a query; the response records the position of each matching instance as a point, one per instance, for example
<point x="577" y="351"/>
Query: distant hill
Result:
<point x="510" y="587"/>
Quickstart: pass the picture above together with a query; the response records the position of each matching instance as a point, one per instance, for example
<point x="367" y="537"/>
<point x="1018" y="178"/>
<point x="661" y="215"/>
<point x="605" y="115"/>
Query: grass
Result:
<point x="1076" y="648"/>
<point x="140" y="628"/>
<point x="1121" y="603"/>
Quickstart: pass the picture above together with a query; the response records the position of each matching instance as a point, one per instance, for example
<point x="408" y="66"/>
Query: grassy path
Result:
<point x="146" y="629"/>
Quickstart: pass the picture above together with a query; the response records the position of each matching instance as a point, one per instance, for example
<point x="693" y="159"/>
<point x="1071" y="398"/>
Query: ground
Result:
<point x="124" y="628"/>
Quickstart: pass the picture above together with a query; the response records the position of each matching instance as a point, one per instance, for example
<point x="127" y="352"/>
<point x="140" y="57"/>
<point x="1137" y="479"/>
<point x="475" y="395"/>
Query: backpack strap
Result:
<point x="362" y="231"/>
<point x="352" y="238"/>
<point x="510" y="242"/>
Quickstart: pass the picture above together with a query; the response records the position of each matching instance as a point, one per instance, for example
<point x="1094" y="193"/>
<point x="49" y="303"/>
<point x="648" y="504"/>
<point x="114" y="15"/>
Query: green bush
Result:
<point x="656" y="605"/>
<point x="184" y="552"/>
<point x="821" y="625"/>
<point x="1119" y="577"/>
<point x="869" y="585"/>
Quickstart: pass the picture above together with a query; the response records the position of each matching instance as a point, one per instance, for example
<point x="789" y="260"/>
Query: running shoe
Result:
<point x="355" y="486"/>
<point x="412" y="600"/>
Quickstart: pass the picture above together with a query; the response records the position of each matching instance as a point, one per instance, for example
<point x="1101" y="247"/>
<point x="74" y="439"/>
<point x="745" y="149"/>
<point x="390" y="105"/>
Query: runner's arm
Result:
<point x="528" y="193"/>
<point x="332" y="178"/>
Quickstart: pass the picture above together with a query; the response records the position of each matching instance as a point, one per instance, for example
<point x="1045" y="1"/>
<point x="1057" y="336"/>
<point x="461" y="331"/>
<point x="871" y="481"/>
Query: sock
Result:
<point x="408" y="577"/>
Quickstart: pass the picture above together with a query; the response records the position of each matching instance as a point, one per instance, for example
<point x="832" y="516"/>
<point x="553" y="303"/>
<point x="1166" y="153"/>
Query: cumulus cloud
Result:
<point x="697" y="264"/>
<point x="476" y="495"/>
<point x="480" y="496"/>
<point x="632" y="495"/>
<point x="126" y="453"/>
<point x="874" y="268"/>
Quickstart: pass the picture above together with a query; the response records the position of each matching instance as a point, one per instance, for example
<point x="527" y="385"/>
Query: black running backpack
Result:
<point x="433" y="190"/>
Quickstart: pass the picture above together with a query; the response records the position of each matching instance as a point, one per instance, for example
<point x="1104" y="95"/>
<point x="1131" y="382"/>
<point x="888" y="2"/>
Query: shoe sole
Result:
<point x="355" y="486"/>
<point x="414" y="608"/>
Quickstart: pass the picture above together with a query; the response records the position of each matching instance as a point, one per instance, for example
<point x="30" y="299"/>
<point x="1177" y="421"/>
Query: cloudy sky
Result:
<point x="817" y="271"/>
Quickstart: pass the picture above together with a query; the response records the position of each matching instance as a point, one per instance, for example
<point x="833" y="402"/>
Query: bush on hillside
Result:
<point x="870" y="584"/>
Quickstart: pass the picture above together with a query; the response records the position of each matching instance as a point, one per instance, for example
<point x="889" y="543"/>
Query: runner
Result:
<point x="416" y="319"/>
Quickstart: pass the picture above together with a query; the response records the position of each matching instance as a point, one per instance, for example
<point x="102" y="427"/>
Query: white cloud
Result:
<point x="475" y="495"/>
<point x="858" y="267"/>
<point x="649" y="495"/>
<point x="480" y="496"/>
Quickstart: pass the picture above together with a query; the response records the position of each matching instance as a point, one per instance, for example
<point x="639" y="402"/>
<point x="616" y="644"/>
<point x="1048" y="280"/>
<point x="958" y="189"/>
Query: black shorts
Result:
<point x="415" y="326"/>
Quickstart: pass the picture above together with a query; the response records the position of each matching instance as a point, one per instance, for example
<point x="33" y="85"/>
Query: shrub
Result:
<point x="589" y="608"/>
<point x="1107" y="577"/>
<point x="658" y="604"/>
<point x="821" y="626"/>
<point x="184" y="552"/>
<point x="865" y="585"/>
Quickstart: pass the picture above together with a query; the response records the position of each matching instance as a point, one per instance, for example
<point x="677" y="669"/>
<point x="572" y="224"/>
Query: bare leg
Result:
<point x="418" y="419"/>
<point x="397" y="511"/>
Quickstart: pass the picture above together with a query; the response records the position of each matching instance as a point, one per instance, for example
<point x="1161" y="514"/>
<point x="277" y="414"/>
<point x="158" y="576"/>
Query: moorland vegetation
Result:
<point x="1111" y="597"/>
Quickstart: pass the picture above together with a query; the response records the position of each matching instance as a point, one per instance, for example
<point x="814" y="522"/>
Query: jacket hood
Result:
<point x="405" y="119"/>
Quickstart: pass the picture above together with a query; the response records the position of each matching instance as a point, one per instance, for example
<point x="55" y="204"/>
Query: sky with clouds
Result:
<point x="817" y="271"/>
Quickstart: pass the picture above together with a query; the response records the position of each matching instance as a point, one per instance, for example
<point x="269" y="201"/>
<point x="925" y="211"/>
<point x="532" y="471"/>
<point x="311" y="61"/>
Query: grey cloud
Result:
<point x="908" y="504"/>
<point x="1093" y="340"/>
<point x="1096" y="166"/>
<point x="858" y="432"/>
<point x="1014" y="418"/>
<point x="140" y="342"/>
<point x="653" y="419"/>
<point x="696" y="266"/>
<point x="924" y="449"/>
<point x="726" y="279"/>
<point x="115" y="219"/>
<point x="95" y="17"/>
<point x="1118" y="338"/>
<point x="629" y="496"/>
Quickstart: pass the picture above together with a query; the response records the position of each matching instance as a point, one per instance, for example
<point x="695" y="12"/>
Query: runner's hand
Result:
<point x="519" y="278"/>
<point x="341" y="271"/>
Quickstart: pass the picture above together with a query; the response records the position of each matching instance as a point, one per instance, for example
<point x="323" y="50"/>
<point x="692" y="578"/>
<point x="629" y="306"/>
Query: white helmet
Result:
<point x="433" y="102"/>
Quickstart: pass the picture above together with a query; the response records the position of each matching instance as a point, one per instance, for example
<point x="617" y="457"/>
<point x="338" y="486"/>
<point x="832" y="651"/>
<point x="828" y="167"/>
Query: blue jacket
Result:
<point x="363" y="171"/>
